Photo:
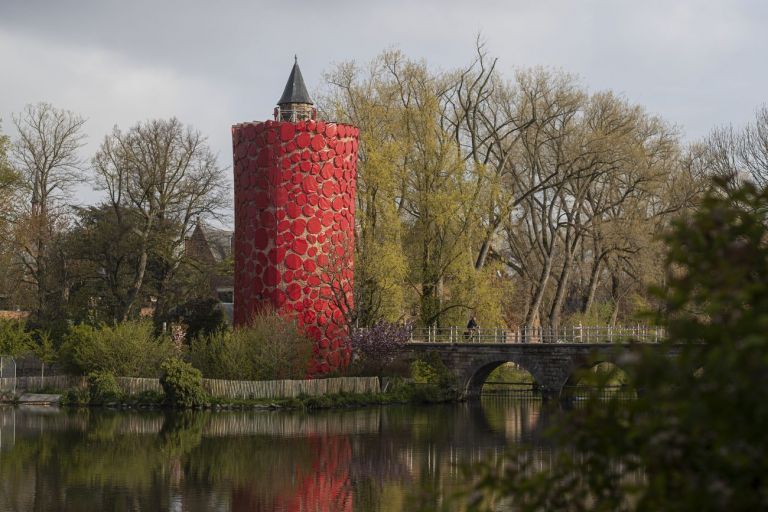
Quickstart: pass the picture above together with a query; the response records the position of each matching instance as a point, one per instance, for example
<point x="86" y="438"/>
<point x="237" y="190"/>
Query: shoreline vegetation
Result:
<point x="400" y="391"/>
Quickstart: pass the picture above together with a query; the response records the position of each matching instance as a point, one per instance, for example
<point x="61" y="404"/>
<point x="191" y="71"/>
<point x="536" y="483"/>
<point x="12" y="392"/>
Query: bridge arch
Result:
<point x="478" y="373"/>
<point x="583" y="367"/>
<point x="551" y="365"/>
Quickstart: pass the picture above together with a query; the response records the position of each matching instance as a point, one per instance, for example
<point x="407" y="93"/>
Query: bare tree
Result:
<point x="738" y="154"/>
<point x="46" y="155"/>
<point x="164" y="175"/>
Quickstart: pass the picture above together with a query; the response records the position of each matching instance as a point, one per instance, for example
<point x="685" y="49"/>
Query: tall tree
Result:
<point x="47" y="156"/>
<point x="9" y="185"/>
<point x="160" y="176"/>
<point x="740" y="153"/>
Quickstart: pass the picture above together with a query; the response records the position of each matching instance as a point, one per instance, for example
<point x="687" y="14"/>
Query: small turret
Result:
<point x="295" y="103"/>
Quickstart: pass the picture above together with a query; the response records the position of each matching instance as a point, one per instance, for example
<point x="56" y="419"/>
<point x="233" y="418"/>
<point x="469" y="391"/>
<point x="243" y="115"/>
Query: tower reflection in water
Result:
<point x="352" y="460"/>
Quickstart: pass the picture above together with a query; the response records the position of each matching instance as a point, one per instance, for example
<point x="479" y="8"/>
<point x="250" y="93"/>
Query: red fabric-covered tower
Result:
<point x="294" y="221"/>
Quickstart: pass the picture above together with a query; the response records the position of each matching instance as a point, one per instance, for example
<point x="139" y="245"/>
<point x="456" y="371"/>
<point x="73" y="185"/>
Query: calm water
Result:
<point x="368" y="459"/>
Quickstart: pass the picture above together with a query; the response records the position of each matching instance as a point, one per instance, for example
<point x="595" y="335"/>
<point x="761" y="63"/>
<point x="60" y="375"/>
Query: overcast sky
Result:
<point x="697" y="63"/>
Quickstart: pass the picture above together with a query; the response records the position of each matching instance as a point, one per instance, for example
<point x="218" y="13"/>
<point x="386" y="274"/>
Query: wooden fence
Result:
<point x="229" y="389"/>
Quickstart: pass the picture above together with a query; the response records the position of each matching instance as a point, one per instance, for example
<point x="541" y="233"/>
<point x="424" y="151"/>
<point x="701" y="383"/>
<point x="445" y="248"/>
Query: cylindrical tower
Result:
<point x="294" y="221"/>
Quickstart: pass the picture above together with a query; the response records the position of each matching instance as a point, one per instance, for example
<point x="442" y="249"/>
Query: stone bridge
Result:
<point x="551" y="365"/>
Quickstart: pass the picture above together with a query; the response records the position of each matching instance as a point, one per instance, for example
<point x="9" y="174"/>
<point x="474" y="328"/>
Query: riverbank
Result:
<point x="397" y="392"/>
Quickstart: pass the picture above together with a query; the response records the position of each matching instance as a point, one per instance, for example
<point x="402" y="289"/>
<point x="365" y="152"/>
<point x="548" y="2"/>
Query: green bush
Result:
<point x="270" y="348"/>
<point x="149" y="397"/>
<point x="431" y="370"/>
<point x="129" y="349"/>
<point x="14" y="339"/>
<point x="694" y="438"/>
<point x="432" y="382"/>
<point x="76" y="397"/>
<point x="182" y="383"/>
<point x="103" y="387"/>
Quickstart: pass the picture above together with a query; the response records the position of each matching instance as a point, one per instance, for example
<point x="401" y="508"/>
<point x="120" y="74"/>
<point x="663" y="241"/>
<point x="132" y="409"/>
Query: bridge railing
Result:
<point x="569" y="334"/>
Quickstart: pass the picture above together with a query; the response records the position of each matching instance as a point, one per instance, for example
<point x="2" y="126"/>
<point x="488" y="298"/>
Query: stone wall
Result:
<point x="551" y="365"/>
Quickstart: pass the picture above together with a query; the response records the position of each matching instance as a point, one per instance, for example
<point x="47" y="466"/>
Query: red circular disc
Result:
<point x="303" y="140"/>
<point x="293" y="210"/>
<point x="314" y="226"/>
<point x="299" y="246"/>
<point x="309" y="184"/>
<point x="309" y="266"/>
<point x="261" y="239"/>
<point x="287" y="131"/>
<point x="293" y="262"/>
<point x="271" y="276"/>
<point x="294" y="291"/>
<point x="318" y="142"/>
<point x="261" y="200"/>
<point x="298" y="226"/>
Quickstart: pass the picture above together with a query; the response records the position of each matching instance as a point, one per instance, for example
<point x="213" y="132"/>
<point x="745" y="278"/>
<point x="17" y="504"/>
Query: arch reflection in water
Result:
<point x="352" y="460"/>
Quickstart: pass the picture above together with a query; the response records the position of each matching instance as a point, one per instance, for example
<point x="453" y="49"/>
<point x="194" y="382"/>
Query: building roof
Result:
<point x="208" y="244"/>
<point x="295" y="91"/>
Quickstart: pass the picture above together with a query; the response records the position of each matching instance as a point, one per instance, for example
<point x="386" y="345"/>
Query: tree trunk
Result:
<point x="555" y="311"/>
<point x="485" y="248"/>
<point x="138" y="281"/>
<point x="594" y="278"/>
<point x="540" y="289"/>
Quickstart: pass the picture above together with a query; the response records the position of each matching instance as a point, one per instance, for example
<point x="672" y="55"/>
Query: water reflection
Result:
<point x="350" y="460"/>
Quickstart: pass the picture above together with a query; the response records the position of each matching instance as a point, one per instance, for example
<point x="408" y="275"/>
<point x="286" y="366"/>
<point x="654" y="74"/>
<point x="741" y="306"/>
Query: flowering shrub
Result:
<point x="376" y="348"/>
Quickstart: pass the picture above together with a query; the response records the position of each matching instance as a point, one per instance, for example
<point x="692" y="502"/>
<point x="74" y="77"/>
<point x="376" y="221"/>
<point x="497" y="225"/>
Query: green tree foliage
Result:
<point x="182" y="383"/>
<point x="14" y="338"/>
<point x="270" y="348"/>
<point x="46" y="154"/>
<point x="107" y="250"/>
<point x="129" y="349"/>
<point x="160" y="176"/>
<point x="9" y="178"/>
<point x="694" y="439"/>
<point x="103" y="387"/>
<point x="416" y="203"/>
<point x="471" y="186"/>
<point x="201" y="316"/>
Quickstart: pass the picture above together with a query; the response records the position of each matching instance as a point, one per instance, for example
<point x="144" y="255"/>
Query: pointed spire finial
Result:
<point x="295" y="91"/>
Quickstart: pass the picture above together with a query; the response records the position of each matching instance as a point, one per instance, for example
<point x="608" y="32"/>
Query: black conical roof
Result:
<point x="295" y="91"/>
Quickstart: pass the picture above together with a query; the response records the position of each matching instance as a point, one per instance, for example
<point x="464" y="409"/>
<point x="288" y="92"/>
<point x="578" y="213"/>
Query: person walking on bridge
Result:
<point x="472" y="329"/>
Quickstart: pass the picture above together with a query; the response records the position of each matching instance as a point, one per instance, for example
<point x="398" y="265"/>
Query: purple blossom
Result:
<point x="377" y="347"/>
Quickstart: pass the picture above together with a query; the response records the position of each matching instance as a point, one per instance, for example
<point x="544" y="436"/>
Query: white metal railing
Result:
<point x="569" y="334"/>
<point x="295" y="114"/>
